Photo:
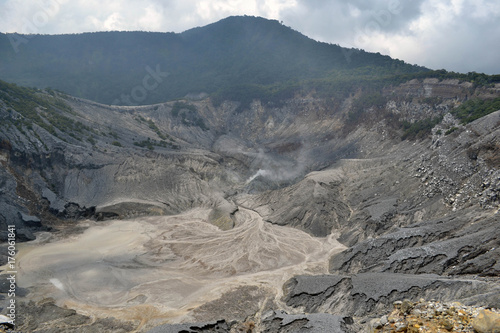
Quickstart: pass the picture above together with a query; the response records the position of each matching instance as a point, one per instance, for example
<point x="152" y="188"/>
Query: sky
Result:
<point x="456" y="35"/>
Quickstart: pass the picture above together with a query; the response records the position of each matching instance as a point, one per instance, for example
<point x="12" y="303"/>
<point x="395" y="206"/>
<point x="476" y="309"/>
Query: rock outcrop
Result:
<point x="46" y="316"/>
<point x="435" y="316"/>
<point x="315" y="204"/>
<point x="374" y="293"/>
<point x="272" y="322"/>
<point x="419" y="218"/>
<point x="435" y="237"/>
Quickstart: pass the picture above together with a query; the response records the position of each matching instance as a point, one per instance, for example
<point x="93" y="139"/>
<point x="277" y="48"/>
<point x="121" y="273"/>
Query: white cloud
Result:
<point x="114" y="21"/>
<point x="151" y="15"/>
<point x="458" y="35"/>
<point x="274" y="8"/>
<point x="152" y="19"/>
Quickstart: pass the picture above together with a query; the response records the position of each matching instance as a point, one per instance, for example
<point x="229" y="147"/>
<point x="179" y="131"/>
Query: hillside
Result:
<point x="193" y="212"/>
<point x="140" y="68"/>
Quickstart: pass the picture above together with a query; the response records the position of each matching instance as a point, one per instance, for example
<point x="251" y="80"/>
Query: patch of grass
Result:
<point x="361" y="104"/>
<point x="91" y="140"/>
<point x="36" y="107"/>
<point x="419" y="129"/>
<point x="145" y="144"/>
<point x="150" y="144"/>
<point x="476" y="108"/>
<point x="450" y="130"/>
<point x="189" y="115"/>
<point x="113" y="134"/>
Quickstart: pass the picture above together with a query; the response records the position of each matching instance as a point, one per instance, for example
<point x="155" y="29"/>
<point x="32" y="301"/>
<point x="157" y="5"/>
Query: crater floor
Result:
<point x="173" y="264"/>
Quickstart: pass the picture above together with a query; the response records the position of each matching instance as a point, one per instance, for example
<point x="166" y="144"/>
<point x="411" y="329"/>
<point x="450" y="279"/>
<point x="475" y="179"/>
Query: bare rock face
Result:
<point x="45" y="316"/>
<point x="12" y="212"/>
<point x="434" y="88"/>
<point x="449" y="246"/>
<point x="272" y="322"/>
<point x="487" y="321"/>
<point x="429" y="316"/>
<point x="425" y="245"/>
<point x="215" y="327"/>
<point x="418" y="218"/>
<point x="448" y="236"/>
<point x="315" y="204"/>
<point x="318" y="322"/>
<point x="374" y="293"/>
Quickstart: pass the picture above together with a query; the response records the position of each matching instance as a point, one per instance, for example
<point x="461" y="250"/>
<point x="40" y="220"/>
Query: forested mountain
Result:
<point x="130" y="68"/>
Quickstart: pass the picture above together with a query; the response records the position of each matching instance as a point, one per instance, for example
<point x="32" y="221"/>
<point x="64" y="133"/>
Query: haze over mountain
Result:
<point x="311" y="189"/>
<point x="107" y="66"/>
<point x="434" y="33"/>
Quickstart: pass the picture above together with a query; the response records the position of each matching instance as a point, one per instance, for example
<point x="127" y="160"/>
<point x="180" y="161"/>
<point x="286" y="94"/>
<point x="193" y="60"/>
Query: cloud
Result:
<point x="342" y="21"/>
<point x="66" y="16"/>
<point x="458" y="35"/>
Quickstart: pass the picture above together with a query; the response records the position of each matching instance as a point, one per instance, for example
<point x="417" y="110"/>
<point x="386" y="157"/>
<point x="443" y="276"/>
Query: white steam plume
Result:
<point x="260" y="172"/>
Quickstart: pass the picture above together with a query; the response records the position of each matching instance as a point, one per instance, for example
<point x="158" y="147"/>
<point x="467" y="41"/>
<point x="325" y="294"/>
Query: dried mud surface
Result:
<point x="161" y="269"/>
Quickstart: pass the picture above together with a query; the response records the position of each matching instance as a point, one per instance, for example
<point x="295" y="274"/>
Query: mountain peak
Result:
<point x="237" y="50"/>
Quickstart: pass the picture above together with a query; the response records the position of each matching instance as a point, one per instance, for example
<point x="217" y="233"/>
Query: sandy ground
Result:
<point x="164" y="267"/>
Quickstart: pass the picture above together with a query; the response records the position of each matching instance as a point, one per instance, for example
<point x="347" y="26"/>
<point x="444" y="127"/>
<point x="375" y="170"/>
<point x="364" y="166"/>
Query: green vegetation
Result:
<point x="113" y="134"/>
<point x="341" y="83"/>
<point x="5" y="145"/>
<point x="432" y="100"/>
<point x="364" y="102"/>
<point x="116" y="143"/>
<point x="178" y="106"/>
<point x="241" y="59"/>
<point x="476" y="108"/>
<point x="188" y="114"/>
<point x="92" y="140"/>
<point x="155" y="128"/>
<point x="419" y="129"/>
<point x="246" y="93"/>
<point x="238" y="59"/>
<point x="450" y="130"/>
<point x="151" y="124"/>
<point x="234" y="54"/>
<point x="41" y="109"/>
<point x="150" y="144"/>
<point x="145" y="144"/>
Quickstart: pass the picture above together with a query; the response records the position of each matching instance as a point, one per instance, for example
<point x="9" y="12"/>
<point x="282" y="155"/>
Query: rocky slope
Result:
<point x="419" y="218"/>
<point x="435" y="316"/>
